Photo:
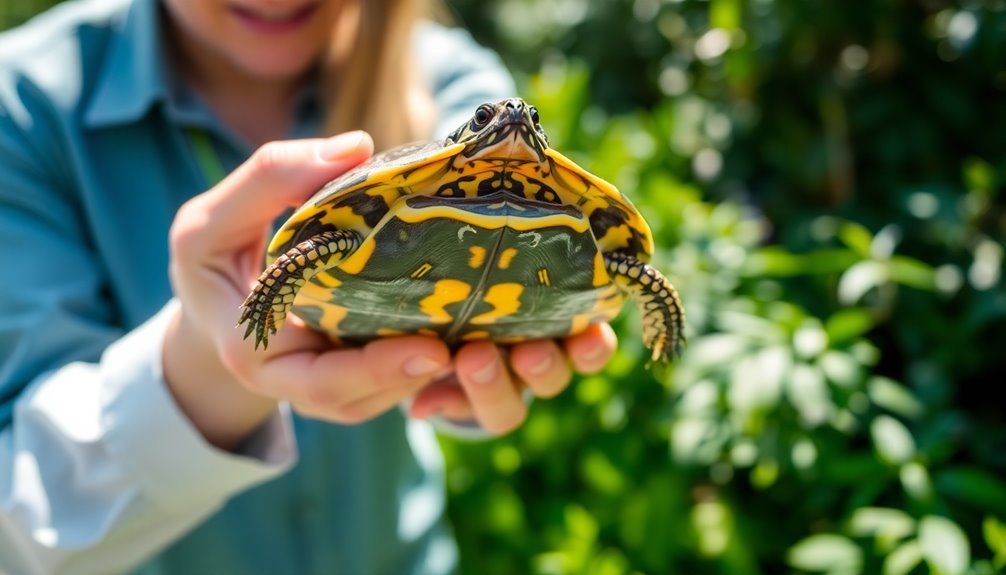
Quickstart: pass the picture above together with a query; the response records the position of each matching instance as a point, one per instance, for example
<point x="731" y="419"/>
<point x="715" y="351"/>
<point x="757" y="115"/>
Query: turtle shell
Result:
<point x="464" y="241"/>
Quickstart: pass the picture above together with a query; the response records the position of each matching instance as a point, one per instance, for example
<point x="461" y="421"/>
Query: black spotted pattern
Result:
<point x="370" y="208"/>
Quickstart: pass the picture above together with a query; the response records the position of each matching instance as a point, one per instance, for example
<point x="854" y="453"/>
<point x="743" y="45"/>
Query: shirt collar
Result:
<point x="134" y="76"/>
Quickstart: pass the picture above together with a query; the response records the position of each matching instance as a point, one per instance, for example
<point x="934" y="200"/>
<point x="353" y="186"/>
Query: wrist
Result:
<point x="223" y="410"/>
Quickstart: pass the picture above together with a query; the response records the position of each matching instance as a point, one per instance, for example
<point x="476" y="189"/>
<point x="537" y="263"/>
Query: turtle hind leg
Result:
<point x="267" y="305"/>
<point x="658" y="302"/>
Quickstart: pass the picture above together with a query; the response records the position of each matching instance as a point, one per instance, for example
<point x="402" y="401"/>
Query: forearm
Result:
<point x="213" y="400"/>
<point x="99" y="468"/>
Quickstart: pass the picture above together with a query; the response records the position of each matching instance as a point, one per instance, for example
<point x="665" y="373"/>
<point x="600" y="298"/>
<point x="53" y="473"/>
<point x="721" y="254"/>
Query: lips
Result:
<point x="269" y="20"/>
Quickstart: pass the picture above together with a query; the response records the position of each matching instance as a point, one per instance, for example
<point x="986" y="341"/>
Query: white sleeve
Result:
<point x="99" y="469"/>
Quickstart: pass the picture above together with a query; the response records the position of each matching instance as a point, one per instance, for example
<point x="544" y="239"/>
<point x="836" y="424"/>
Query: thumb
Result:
<point x="277" y="176"/>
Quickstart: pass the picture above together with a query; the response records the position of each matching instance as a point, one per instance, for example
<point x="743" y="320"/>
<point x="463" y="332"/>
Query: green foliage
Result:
<point x="14" y="12"/>
<point x="823" y="181"/>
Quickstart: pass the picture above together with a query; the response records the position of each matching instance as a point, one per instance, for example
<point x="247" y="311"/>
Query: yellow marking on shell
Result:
<point x="478" y="257"/>
<point x="475" y="335"/>
<point x="388" y="194"/>
<point x="506" y="258"/>
<point x="581" y="321"/>
<point x="355" y="262"/>
<point x="413" y="215"/>
<point x="543" y="277"/>
<point x="511" y="339"/>
<point x="332" y="314"/>
<point x="616" y="237"/>
<point x="282" y="237"/>
<point x="427" y="331"/>
<point x="445" y="292"/>
<point x="422" y="270"/>
<point x="326" y="280"/>
<point x="505" y="300"/>
<point x="568" y="175"/>
<point x="601" y="276"/>
<point x="343" y="218"/>
<point x="388" y="332"/>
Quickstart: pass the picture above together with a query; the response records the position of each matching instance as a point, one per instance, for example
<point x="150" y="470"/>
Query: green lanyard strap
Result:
<point x="206" y="156"/>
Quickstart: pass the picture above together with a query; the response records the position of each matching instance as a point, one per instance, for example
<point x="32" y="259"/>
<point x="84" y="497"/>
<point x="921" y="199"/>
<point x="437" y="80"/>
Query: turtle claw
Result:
<point x="658" y="302"/>
<point x="271" y="299"/>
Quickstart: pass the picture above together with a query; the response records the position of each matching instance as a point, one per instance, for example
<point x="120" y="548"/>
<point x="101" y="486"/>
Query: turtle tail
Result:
<point x="266" y="307"/>
<point x="658" y="303"/>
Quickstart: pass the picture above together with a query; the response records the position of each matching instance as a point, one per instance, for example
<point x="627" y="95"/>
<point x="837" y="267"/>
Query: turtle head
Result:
<point x="508" y="129"/>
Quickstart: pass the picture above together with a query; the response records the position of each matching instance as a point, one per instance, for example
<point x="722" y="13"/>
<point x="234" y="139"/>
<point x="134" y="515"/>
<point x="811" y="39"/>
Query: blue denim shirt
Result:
<point x="99" y="470"/>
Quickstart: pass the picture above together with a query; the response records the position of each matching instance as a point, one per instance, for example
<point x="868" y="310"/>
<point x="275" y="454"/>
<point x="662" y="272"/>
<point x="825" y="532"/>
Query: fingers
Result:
<point x="542" y="366"/>
<point x="495" y="400"/>
<point x="486" y="390"/>
<point x="591" y="350"/>
<point x="236" y="211"/>
<point x="443" y="398"/>
<point x="353" y="384"/>
<point x="277" y="176"/>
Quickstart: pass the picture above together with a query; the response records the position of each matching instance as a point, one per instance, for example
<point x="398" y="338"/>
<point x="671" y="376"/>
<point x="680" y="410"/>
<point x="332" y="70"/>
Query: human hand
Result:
<point x="482" y="389"/>
<point x="225" y="387"/>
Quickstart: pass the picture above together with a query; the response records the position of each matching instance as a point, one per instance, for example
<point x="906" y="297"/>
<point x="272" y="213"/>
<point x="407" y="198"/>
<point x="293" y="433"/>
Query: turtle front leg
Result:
<point x="266" y="306"/>
<point x="658" y="303"/>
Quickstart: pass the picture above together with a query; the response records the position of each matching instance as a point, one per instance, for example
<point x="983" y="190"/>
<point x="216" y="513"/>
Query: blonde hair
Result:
<point x="372" y="83"/>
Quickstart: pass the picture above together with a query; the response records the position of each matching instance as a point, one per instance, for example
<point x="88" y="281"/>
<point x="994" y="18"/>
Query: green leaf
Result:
<point x="695" y="440"/>
<point x="841" y="368"/>
<point x="974" y="486"/>
<point x="826" y="552"/>
<point x="581" y="523"/>
<point x="912" y="273"/>
<point x="808" y="392"/>
<point x="892" y="440"/>
<point x="881" y="522"/>
<point x="859" y="279"/>
<point x="995" y="537"/>
<point x="915" y="479"/>
<point x="756" y="381"/>
<point x="978" y="174"/>
<point x="894" y="397"/>
<point x="903" y="560"/>
<point x="944" y="545"/>
<point x="715" y="350"/>
<point x="725" y="14"/>
<point x="856" y="237"/>
<point x="601" y="473"/>
<point x="847" y="324"/>
<point x="778" y="262"/>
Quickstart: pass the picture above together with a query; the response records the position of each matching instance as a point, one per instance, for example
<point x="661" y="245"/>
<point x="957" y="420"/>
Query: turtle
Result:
<point x="487" y="234"/>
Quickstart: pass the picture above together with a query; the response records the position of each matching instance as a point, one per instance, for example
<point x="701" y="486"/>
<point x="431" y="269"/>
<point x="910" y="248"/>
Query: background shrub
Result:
<point x="825" y="181"/>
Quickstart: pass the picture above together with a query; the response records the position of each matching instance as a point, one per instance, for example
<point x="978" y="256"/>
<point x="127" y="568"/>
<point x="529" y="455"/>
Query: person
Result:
<point x="146" y="148"/>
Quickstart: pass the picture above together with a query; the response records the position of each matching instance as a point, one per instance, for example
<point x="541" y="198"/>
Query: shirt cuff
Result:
<point x="151" y="437"/>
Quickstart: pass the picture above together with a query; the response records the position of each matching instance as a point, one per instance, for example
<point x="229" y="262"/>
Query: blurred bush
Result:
<point x="825" y="182"/>
<point x="14" y="12"/>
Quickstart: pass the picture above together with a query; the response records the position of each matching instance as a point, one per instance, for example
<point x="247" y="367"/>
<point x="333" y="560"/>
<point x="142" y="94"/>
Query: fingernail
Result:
<point x="540" y="365"/>
<point x="486" y="374"/>
<point x="593" y="353"/>
<point x="337" y="147"/>
<point x="419" y="366"/>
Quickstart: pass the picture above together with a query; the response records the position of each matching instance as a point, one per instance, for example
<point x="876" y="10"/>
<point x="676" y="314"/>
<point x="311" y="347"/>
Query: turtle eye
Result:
<point x="482" y="116"/>
<point x="534" y="114"/>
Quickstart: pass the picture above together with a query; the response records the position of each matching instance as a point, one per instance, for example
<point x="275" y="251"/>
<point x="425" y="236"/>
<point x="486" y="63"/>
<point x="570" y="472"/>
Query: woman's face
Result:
<point x="265" y="39"/>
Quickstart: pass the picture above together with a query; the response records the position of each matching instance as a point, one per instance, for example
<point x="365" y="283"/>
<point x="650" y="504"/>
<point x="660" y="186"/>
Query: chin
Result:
<point x="271" y="67"/>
